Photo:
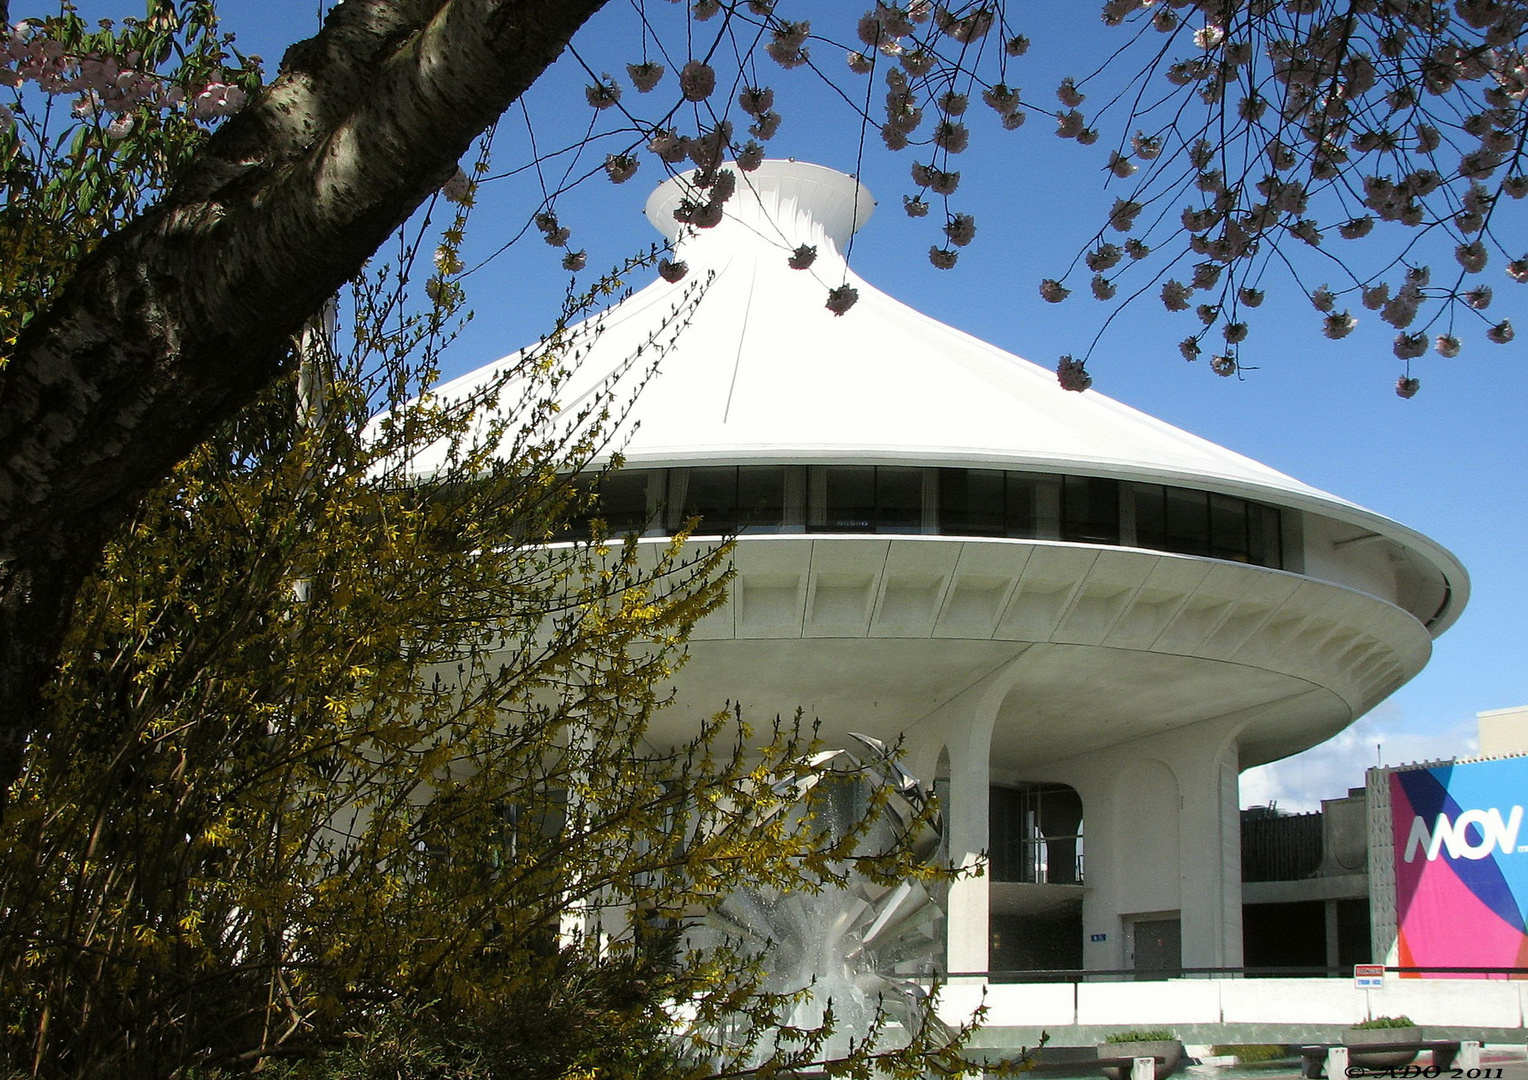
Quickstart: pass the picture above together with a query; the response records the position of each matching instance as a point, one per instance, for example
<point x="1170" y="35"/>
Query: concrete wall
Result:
<point x="1163" y="841"/>
<point x="1345" y="835"/>
<point x="1238" y="1010"/>
<point x="1162" y="826"/>
<point x="1144" y="799"/>
<point x="1337" y="552"/>
<point x="1503" y="731"/>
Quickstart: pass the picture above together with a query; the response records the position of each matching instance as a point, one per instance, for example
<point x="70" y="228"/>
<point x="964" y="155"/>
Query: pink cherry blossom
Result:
<point x="697" y="80"/>
<point x="620" y="167"/>
<point x="1072" y="375"/>
<point x="841" y="299"/>
<point x="645" y="76"/>
<point x="1053" y="292"/>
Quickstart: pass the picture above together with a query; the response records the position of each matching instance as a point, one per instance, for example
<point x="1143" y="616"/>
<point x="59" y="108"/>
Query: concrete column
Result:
<point x="1103" y="931"/>
<point x="963" y="727"/>
<point x="1210" y="842"/>
<point x="1230" y="864"/>
<point x="1332" y="931"/>
<point x="968" y="918"/>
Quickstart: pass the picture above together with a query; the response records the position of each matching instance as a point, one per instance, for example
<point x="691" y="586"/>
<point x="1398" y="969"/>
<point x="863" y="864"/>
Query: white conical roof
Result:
<point x="764" y="372"/>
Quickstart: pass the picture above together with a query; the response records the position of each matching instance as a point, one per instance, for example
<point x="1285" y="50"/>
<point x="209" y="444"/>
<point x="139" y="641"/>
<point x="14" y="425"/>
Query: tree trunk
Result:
<point x="184" y="315"/>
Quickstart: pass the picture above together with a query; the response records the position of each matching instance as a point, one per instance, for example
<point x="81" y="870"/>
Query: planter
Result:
<point x="1355" y="1039"/>
<point x="1169" y="1050"/>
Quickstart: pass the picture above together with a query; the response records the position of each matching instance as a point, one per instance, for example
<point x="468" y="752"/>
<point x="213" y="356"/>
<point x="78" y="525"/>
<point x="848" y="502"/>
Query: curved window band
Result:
<point x="913" y="500"/>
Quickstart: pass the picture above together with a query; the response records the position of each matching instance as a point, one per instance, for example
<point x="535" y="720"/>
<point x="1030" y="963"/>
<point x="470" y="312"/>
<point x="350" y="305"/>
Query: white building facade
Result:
<point x="1085" y="623"/>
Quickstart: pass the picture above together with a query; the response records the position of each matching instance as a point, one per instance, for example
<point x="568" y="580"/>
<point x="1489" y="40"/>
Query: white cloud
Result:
<point x="1385" y="736"/>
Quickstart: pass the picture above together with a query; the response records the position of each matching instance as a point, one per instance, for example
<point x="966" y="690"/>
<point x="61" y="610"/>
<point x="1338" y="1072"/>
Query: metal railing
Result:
<point x="1037" y="865"/>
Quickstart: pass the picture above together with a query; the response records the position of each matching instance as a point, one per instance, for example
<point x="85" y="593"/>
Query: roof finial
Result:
<point x="785" y="204"/>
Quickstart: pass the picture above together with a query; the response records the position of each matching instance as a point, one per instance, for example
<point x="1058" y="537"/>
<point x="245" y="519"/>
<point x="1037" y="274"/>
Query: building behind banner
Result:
<point x="1449" y="867"/>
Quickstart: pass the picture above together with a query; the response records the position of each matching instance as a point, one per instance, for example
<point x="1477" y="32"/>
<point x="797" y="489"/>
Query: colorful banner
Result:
<point x="1461" y="865"/>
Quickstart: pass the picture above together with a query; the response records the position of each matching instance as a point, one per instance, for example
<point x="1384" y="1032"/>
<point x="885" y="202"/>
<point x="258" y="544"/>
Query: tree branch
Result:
<point x="176" y="321"/>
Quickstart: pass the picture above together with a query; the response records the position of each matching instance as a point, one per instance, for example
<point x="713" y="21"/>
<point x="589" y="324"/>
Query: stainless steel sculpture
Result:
<point x="860" y="948"/>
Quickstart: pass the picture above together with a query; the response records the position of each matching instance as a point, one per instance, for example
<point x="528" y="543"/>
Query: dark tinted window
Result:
<point x="898" y="499"/>
<point x="962" y="502"/>
<point x="847" y="500"/>
<point x="1022" y="516"/>
<point x="1228" y="528"/>
<point x="761" y="498"/>
<point x="972" y="502"/>
<point x="623" y="501"/>
<point x="577" y="523"/>
<point x="1199" y="523"/>
<point x="1150" y="516"/>
<point x="1188" y="521"/>
<point x="1035" y="834"/>
<point x="1090" y="510"/>
<point x="1264" y="535"/>
<point x="711" y="495"/>
<point x="731" y="499"/>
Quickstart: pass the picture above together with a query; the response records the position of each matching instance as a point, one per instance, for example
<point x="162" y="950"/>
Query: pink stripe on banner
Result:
<point x="1446" y="925"/>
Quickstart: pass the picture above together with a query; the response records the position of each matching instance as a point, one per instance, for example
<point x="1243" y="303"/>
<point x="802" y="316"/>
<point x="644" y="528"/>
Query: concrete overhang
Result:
<point x="876" y="634"/>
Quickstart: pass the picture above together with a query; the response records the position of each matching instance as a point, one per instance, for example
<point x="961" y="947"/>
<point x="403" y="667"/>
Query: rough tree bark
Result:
<point x="181" y="317"/>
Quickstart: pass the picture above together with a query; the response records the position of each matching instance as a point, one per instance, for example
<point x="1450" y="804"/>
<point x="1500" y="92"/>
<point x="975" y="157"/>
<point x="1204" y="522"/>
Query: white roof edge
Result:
<point x="1455" y="577"/>
<point x="731" y="385"/>
<point x="1308" y="499"/>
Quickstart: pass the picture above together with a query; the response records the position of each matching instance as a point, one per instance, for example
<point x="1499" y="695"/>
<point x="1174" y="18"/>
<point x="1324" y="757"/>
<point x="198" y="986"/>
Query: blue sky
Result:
<point x="1450" y="462"/>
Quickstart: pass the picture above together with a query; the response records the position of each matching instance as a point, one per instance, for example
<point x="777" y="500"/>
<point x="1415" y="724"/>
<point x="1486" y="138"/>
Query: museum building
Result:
<point x="1083" y="622"/>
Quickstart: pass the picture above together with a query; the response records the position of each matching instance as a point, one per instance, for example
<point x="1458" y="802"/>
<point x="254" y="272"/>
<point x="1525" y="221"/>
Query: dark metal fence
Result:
<point x="1280" y="848"/>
